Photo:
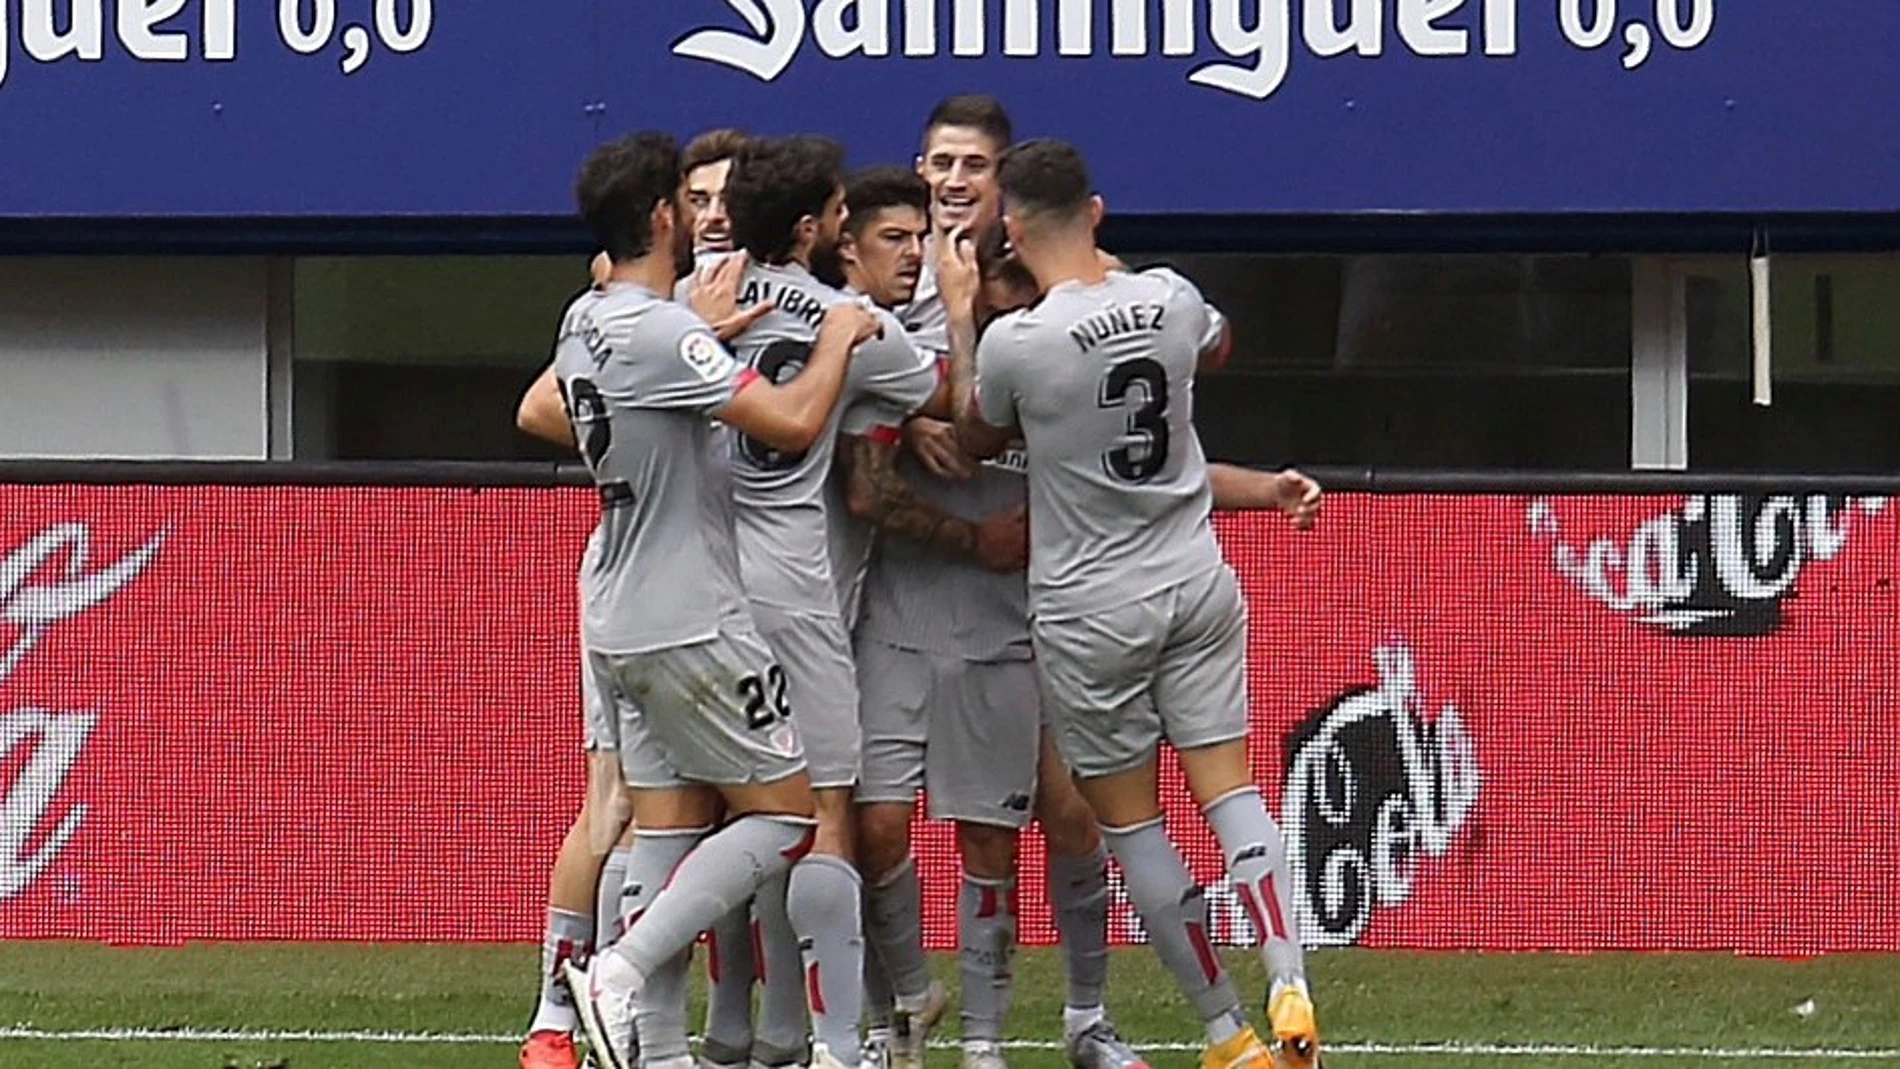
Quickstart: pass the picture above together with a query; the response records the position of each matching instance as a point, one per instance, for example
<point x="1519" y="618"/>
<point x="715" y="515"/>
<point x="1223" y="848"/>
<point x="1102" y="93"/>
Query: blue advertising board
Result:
<point x="483" y="108"/>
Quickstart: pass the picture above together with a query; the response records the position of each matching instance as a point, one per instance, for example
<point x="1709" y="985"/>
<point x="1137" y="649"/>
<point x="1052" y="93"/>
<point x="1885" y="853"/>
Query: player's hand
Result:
<point x="715" y="298"/>
<point x="934" y="443"/>
<point x="850" y="317"/>
<point x="957" y="276"/>
<point x="1299" y="497"/>
<point x="1002" y="540"/>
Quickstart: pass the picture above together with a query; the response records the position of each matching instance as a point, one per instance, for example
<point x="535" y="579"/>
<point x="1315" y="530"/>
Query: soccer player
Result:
<point x="729" y="1041"/>
<point x="586" y="893"/>
<point x="664" y="619"/>
<point x="963" y="137"/>
<point x="584" y="887"/>
<point x="882" y="252"/>
<point x="786" y="199"/>
<point x="1138" y="624"/>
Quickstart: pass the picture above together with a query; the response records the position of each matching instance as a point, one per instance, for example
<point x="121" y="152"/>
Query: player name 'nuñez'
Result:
<point x="791" y="301"/>
<point x="1114" y="322"/>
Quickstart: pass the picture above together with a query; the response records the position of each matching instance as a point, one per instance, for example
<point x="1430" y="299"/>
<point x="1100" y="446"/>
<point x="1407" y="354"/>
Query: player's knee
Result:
<point x="883" y="837"/>
<point x="1067" y="821"/>
<point x="987" y="851"/>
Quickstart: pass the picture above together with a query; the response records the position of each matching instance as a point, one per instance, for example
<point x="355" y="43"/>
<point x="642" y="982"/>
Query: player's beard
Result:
<point x="682" y="250"/>
<point x="827" y="264"/>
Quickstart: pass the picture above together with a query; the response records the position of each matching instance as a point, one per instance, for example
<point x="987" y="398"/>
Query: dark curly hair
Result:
<point x="774" y="184"/>
<point x="619" y="185"/>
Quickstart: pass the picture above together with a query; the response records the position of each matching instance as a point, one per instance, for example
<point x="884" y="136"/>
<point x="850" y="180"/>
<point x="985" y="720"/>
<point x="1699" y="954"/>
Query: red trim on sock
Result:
<point x="574" y="950"/>
<point x="798" y="851"/>
<point x="813" y="993"/>
<point x="1252" y="905"/>
<point x="712" y="956"/>
<point x="758" y="953"/>
<point x="1204" y="950"/>
<point x="1275" y="914"/>
<point x="986" y="902"/>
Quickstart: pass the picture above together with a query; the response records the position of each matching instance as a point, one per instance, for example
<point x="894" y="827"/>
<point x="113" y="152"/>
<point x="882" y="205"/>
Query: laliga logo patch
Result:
<point x="708" y="359"/>
<point x="1717" y="565"/>
<point x="1372" y="789"/>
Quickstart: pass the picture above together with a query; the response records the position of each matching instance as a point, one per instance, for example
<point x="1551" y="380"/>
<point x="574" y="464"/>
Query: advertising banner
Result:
<point x="376" y="108"/>
<point x="1485" y="722"/>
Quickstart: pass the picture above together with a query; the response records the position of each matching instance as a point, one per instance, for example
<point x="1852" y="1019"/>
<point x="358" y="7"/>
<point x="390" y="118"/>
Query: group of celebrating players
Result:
<point x="821" y="411"/>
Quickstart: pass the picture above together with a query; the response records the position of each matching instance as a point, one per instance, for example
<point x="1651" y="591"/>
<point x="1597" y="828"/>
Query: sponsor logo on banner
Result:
<point x="43" y="746"/>
<point x="1715" y="565"/>
<point x="1373" y="789"/>
<point x="1256" y="43"/>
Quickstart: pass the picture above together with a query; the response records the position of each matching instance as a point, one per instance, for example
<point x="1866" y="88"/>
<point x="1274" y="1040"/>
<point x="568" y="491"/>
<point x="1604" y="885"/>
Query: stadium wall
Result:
<point x="1587" y="713"/>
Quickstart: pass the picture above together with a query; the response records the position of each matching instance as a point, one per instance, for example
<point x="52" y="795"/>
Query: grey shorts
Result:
<point x="600" y="729"/>
<point x="965" y="732"/>
<point x="815" y="649"/>
<point x="1172" y="665"/>
<point x="712" y="712"/>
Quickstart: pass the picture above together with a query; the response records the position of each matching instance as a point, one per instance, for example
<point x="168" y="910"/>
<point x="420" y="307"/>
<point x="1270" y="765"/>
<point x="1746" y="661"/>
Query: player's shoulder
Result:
<point x="893" y="324"/>
<point x="1165" y="279"/>
<point x="1016" y="331"/>
<point x="662" y="322"/>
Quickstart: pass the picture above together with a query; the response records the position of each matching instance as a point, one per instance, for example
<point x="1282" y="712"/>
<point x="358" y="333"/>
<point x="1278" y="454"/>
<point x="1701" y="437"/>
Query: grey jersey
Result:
<point x="641" y="376"/>
<point x="918" y="599"/>
<point x="784" y="508"/>
<point x="1101" y="381"/>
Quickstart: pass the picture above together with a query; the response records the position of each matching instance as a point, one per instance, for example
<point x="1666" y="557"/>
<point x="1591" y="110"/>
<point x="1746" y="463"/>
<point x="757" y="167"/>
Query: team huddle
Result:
<point x="900" y="491"/>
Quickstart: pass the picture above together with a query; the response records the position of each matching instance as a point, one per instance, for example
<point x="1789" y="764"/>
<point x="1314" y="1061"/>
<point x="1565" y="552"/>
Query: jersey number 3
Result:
<point x="1140" y="388"/>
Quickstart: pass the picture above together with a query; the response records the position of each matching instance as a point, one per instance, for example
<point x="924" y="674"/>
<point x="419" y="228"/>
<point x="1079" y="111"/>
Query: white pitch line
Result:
<point x="1495" y="1050"/>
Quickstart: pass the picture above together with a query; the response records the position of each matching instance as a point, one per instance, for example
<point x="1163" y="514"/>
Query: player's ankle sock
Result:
<point x="660" y="1013"/>
<point x="1078" y="892"/>
<point x="894" y="925"/>
<point x="569" y="936"/>
<point x="782" y="1023"/>
<point x="613" y="877"/>
<point x="826" y="903"/>
<point x="986" y="938"/>
<point x="1174" y="912"/>
<point x="879" y="999"/>
<point x="1224" y="1027"/>
<point x="1257" y="864"/>
<point x="714" y="879"/>
<point x="729" y="978"/>
<point x="1079" y="1019"/>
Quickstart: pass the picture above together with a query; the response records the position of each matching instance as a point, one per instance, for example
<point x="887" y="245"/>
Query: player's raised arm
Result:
<point x="792" y="416"/>
<point x="541" y="412"/>
<point x="957" y="281"/>
<point x="1290" y="492"/>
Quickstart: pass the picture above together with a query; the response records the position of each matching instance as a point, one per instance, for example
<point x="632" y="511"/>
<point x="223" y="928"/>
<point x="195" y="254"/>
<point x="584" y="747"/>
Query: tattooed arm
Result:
<point x="874" y="491"/>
